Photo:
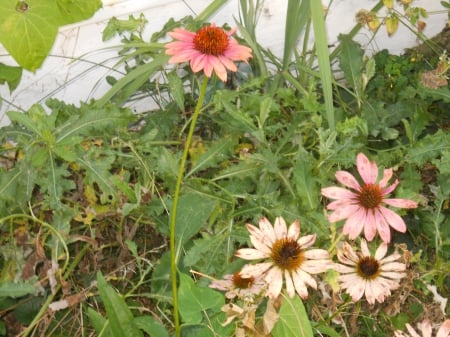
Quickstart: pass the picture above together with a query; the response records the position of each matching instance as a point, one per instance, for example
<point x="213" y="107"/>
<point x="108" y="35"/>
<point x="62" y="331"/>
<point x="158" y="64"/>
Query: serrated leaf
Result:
<point x="194" y="300"/>
<point x="176" y="89"/>
<point x="306" y="184"/>
<point x="14" y="290"/>
<point x="192" y="213"/>
<point x="351" y="62"/>
<point x="119" y="315"/>
<point x="293" y="320"/>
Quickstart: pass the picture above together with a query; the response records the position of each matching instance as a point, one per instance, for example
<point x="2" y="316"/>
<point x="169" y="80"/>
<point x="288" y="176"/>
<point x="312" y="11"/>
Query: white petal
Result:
<point x="381" y="251"/>
<point x="251" y="254"/>
<point x="294" y="230"/>
<point x="255" y="270"/>
<point x="289" y="284"/>
<point x="280" y="228"/>
<point x="274" y="279"/>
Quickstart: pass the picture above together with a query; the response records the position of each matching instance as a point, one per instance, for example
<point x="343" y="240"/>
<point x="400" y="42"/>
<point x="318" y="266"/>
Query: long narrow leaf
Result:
<point x="297" y="17"/>
<point x="323" y="56"/>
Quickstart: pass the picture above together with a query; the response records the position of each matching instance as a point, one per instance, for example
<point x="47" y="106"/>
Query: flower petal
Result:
<point x="368" y="170"/>
<point x="274" y="279"/>
<point x="347" y="179"/>
<point x="280" y="228"/>
<point x="250" y="254"/>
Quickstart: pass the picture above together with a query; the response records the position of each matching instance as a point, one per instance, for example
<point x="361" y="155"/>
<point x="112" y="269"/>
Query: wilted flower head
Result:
<point x="209" y="49"/>
<point x="235" y="285"/>
<point x="426" y="329"/>
<point x="362" y="205"/>
<point x="286" y="254"/>
<point x="364" y="274"/>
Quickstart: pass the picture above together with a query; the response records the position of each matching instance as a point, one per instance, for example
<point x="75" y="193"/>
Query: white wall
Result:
<point x="75" y="81"/>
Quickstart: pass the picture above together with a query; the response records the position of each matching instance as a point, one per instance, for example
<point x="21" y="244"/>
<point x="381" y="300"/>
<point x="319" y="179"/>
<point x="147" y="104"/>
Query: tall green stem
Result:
<point x="173" y="218"/>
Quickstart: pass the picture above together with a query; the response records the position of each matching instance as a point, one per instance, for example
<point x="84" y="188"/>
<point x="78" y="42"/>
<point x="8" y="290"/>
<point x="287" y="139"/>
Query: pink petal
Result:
<point x="387" y="175"/>
<point x="344" y="212"/>
<point x="393" y="219"/>
<point x="335" y="192"/>
<point x="394" y="266"/>
<point x="444" y="330"/>
<point x="382" y="227"/>
<point x="367" y="170"/>
<point x="401" y="203"/>
<point x="354" y="224"/>
<point x="347" y="179"/>
<point x="370" y="228"/>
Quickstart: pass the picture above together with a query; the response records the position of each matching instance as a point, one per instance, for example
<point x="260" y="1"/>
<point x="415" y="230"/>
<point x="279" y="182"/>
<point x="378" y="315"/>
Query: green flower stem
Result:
<point x="173" y="218"/>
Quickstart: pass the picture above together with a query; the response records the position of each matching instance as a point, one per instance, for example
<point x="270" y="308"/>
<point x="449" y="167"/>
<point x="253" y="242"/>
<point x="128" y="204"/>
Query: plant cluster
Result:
<point x="174" y="222"/>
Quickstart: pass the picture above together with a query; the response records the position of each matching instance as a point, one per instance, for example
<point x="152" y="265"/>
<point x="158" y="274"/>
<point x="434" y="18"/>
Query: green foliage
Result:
<point x="293" y="321"/>
<point x="28" y="30"/>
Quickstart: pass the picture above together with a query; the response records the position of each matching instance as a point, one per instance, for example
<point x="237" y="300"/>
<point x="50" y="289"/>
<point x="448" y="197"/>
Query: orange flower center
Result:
<point x="287" y="254"/>
<point x="242" y="282"/>
<point x="211" y="40"/>
<point x="368" y="268"/>
<point x="370" y="196"/>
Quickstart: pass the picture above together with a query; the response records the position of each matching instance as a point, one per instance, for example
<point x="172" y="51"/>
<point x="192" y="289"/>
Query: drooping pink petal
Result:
<point x="370" y="228"/>
<point x="344" y="212"/>
<point x="355" y="224"/>
<point x="383" y="227"/>
<point x="393" y="219"/>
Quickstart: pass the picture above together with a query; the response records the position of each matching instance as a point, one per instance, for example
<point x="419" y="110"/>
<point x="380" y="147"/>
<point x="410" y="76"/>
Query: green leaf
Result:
<point x="151" y="326"/>
<point x="194" y="300"/>
<point x="293" y="321"/>
<point x="351" y="62"/>
<point x="176" y="89"/>
<point x="191" y="217"/>
<point x="28" y="32"/>
<point x="305" y="183"/>
<point x="99" y="322"/>
<point x="77" y="10"/>
<point x="119" y="315"/>
<point x="10" y="75"/>
<point x="14" y="290"/>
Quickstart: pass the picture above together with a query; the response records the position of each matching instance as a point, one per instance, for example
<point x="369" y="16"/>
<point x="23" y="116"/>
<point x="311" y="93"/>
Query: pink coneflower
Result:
<point x="372" y="276"/>
<point x="210" y="48"/>
<point x="363" y="207"/>
<point x="426" y="329"/>
<point x="235" y="285"/>
<point x="287" y="255"/>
